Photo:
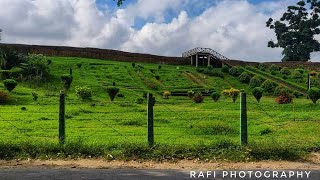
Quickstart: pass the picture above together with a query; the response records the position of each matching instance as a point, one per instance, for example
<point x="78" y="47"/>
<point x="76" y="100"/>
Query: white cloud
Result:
<point x="235" y="28"/>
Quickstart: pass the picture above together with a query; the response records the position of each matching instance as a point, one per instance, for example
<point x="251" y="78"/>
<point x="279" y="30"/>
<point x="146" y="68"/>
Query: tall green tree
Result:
<point x="296" y="29"/>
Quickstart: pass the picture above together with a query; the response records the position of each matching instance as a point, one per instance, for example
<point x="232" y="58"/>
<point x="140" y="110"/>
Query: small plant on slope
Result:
<point x="112" y="92"/>
<point x="257" y="93"/>
<point x="314" y="94"/>
<point x="10" y="84"/>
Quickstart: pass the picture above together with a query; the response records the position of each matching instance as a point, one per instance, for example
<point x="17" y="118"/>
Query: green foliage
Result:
<point x="265" y="131"/>
<point x="255" y="81"/>
<point x="157" y="77"/>
<point x="112" y="92"/>
<point x="4" y="97"/>
<point x="215" y="96"/>
<point x="245" y="78"/>
<point x="297" y="76"/>
<point x="297" y="94"/>
<point x="67" y="80"/>
<point x="314" y="94"/>
<point x="295" y="31"/>
<point x="10" y="84"/>
<point x="233" y="93"/>
<point x="285" y="71"/>
<point x="273" y="73"/>
<point x="210" y="67"/>
<point x="280" y="89"/>
<point x="36" y="66"/>
<point x="284" y="98"/>
<point x="200" y="70"/>
<point x="35" y="96"/>
<point x="235" y="71"/>
<point x="85" y="93"/>
<point x="257" y="92"/>
<point x="300" y="70"/>
<point x="133" y="64"/>
<point x="190" y="94"/>
<point x="10" y="59"/>
<point x="268" y="86"/>
<point x="213" y="73"/>
<point x="198" y="98"/>
<point x="139" y="100"/>
<point x="262" y="66"/>
<point x="274" y="68"/>
<point x="159" y="67"/>
<point x="225" y="68"/>
<point x="79" y="65"/>
<point x="120" y="95"/>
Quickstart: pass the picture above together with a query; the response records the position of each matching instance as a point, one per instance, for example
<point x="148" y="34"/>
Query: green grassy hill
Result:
<point x="183" y="129"/>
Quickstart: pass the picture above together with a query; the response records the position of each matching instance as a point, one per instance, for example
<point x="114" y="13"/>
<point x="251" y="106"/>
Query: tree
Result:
<point x="119" y="2"/>
<point x="296" y="29"/>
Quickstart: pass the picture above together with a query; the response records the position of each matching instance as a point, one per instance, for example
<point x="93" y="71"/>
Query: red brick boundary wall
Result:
<point x="95" y="53"/>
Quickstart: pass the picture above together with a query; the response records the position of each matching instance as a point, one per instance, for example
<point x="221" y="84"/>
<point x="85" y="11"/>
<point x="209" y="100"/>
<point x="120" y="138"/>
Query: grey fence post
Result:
<point x="243" y="119"/>
<point x="62" y="122"/>
<point x="151" y="102"/>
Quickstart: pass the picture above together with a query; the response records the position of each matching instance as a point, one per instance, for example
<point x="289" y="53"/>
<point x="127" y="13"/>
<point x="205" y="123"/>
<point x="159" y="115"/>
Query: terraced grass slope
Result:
<point x="183" y="129"/>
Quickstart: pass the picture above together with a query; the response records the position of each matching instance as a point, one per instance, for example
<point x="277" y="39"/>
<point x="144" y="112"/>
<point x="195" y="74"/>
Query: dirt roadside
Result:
<point x="313" y="163"/>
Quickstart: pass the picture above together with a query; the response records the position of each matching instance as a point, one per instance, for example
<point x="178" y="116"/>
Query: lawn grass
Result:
<point x="183" y="129"/>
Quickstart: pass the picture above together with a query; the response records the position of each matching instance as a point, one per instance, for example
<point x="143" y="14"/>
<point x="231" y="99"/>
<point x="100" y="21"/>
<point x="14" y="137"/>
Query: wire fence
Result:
<point x="174" y="122"/>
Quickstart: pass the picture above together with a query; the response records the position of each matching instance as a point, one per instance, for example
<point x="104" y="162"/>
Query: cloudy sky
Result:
<point x="235" y="28"/>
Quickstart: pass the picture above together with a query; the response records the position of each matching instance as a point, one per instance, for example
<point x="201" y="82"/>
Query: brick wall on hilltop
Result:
<point x="95" y="53"/>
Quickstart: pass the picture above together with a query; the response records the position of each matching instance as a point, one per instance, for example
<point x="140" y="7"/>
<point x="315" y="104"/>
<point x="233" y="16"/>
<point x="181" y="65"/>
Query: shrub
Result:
<point x="198" y="98"/>
<point x="49" y="61"/>
<point x="166" y="94"/>
<point x="79" y="65"/>
<point x="11" y="58"/>
<point x="268" y="86"/>
<point x="255" y="81"/>
<point x="133" y="65"/>
<point x="244" y="78"/>
<point x="297" y="94"/>
<point x="140" y="66"/>
<point x="285" y="76"/>
<point x="215" y="96"/>
<point x="274" y="68"/>
<point x="313" y="73"/>
<point x="66" y="80"/>
<point x="190" y="94"/>
<point x="225" y="68"/>
<point x="120" y="95"/>
<point x="273" y="73"/>
<point x="233" y="93"/>
<point x="139" y="100"/>
<point x="314" y="94"/>
<point x="279" y="89"/>
<point x="314" y="82"/>
<point x="35" y="96"/>
<point x="284" y="98"/>
<point x="159" y="67"/>
<point x="300" y="70"/>
<point x="210" y="67"/>
<point x="36" y="66"/>
<point x="4" y="97"/>
<point x="112" y="92"/>
<point x="235" y="71"/>
<point x="262" y="67"/>
<point x="10" y="84"/>
<point x="297" y="76"/>
<point x="285" y="71"/>
<point x="200" y="70"/>
<point x="157" y="77"/>
<point x="145" y="95"/>
<point x="84" y="92"/>
<point x="257" y="92"/>
<point x="213" y="73"/>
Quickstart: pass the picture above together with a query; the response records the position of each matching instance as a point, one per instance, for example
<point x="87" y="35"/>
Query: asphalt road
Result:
<point x="121" y="174"/>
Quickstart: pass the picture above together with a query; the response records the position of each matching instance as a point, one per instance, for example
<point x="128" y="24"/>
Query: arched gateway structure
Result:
<point x="204" y="57"/>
